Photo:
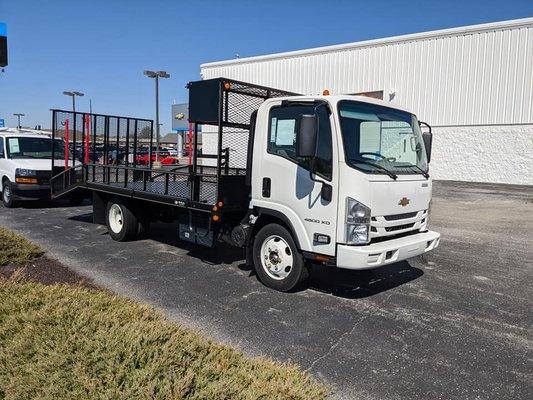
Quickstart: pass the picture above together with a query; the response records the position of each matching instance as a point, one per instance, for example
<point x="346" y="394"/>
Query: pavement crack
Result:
<point x="336" y="344"/>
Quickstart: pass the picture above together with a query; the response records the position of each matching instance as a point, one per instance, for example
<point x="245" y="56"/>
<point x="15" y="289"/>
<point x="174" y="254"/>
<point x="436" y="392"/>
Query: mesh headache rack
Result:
<point x="116" y="154"/>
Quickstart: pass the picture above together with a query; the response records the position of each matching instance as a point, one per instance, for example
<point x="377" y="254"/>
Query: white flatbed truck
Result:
<point x="337" y="180"/>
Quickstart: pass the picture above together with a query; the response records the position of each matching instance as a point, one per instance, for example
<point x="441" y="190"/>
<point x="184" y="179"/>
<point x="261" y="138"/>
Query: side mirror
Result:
<point x="428" y="139"/>
<point x="306" y="136"/>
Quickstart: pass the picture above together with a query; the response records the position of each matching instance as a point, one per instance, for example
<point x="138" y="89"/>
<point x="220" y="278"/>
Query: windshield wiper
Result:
<point x="382" y="168"/>
<point x="426" y="175"/>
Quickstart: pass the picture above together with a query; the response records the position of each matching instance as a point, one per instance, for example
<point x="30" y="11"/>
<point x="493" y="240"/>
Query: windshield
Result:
<point x="388" y="138"/>
<point x="33" y="147"/>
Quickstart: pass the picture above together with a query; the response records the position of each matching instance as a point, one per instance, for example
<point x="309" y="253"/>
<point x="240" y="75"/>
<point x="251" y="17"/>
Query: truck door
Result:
<point x="286" y="181"/>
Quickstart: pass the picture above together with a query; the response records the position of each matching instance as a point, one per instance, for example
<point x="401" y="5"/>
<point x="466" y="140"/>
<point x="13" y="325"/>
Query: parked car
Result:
<point x="172" y="152"/>
<point x="25" y="163"/>
<point x="164" y="158"/>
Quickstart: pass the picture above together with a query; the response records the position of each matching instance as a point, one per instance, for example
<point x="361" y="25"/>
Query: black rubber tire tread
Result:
<point x="299" y="271"/>
<point x="12" y="202"/>
<point x="129" y="224"/>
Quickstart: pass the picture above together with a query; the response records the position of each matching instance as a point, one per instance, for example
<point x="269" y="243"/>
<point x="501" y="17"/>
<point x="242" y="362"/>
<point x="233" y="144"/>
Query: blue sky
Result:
<point x="102" y="47"/>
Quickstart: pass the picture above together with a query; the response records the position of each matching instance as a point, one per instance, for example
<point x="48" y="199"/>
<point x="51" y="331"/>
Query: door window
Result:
<point x="282" y="136"/>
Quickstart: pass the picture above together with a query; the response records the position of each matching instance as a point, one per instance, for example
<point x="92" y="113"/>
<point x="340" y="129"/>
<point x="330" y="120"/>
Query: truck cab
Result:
<point x="347" y="176"/>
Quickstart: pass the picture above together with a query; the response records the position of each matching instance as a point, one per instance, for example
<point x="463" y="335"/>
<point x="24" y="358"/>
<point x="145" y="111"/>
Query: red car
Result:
<point x="164" y="159"/>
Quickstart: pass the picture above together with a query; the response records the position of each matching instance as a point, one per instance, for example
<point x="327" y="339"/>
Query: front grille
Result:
<point x="390" y="237"/>
<point x="398" y="227"/>
<point x="396" y="217"/>
<point x="43" y="177"/>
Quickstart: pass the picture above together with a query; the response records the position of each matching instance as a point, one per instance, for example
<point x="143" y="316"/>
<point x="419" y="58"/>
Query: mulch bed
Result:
<point x="46" y="271"/>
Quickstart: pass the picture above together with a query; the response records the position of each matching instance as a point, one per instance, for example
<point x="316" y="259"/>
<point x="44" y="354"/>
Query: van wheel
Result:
<point x="7" y="195"/>
<point x="277" y="261"/>
<point x="121" y="222"/>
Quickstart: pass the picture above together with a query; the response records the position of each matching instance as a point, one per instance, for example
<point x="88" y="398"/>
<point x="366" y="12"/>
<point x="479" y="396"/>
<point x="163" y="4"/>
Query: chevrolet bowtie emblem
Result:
<point x="403" y="201"/>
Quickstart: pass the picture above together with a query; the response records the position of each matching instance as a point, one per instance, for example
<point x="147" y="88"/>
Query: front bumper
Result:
<point x="386" y="252"/>
<point x="26" y="191"/>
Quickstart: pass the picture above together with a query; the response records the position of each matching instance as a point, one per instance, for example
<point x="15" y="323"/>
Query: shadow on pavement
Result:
<point x="360" y="284"/>
<point x="335" y="281"/>
<point x="35" y="204"/>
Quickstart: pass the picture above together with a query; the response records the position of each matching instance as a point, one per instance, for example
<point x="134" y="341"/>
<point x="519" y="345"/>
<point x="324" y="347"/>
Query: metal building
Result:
<point x="473" y="84"/>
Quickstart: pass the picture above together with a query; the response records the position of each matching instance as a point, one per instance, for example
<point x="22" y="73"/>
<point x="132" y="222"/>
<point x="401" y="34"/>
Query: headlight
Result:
<point x="357" y="222"/>
<point x="25" y="172"/>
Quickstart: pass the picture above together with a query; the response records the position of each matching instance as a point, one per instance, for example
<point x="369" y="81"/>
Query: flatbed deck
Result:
<point x="107" y="150"/>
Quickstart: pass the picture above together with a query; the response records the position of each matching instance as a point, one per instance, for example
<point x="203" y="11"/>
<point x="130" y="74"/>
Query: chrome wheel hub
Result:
<point x="116" y="220"/>
<point x="276" y="257"/>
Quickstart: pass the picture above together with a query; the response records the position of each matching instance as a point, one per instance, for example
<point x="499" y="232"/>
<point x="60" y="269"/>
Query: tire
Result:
<point x="143" y="228"/>
<point x="7" y="195"/>
<point x="121" y="223"/>
<point x="277" y="261"/>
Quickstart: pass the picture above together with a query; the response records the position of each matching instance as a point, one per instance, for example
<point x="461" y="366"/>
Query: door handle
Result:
<point x="266" y="187"/>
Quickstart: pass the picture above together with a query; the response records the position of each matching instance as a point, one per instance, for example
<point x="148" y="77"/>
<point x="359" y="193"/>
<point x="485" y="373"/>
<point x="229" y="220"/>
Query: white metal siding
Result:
<point x="479" y="75"/>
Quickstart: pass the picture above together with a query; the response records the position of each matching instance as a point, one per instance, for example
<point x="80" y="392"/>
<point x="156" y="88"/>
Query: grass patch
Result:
<point x="15" y="249"/>
<point x="71" y="342"/>
<point x="65" y="341"/>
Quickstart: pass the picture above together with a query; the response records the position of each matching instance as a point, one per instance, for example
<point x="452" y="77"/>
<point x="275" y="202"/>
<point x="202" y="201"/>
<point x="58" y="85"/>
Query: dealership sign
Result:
<point x="3" y="44"/>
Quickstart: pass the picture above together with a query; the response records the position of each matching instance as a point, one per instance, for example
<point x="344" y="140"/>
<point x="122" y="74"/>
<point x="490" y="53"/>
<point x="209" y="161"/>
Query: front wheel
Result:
<point x="7" y="195"/>
<point x="277" y="261"/>
<point x="121" y="222"/>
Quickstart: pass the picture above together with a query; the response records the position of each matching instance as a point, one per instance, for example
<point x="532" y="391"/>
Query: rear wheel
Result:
<point x="121" y="222"/>
<point x="7" y="195"/>
<point x="277" y="261"/>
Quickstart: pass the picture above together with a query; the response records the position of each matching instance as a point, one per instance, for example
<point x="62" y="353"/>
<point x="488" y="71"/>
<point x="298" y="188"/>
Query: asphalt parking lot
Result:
<point x="455" y="323"/>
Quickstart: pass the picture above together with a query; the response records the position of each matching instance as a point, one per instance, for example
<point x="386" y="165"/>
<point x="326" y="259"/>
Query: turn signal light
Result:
<point x="325" y="92"/>
<point x="321" y="258"/>
<point x="216" y="218"/>
<point x="20" y="179"/>
<point x="227" y="85"/>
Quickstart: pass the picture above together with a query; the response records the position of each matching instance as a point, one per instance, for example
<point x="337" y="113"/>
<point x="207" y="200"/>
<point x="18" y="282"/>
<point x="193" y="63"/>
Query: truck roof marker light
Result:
<point x="227" y="85"/>
<point x="325" y="92"/>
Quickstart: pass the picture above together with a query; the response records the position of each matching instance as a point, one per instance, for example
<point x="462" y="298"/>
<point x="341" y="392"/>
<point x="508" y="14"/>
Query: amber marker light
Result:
<point x="20" y="179"/>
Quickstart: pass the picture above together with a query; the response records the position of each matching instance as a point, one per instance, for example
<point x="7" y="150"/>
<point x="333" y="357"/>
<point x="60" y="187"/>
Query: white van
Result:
<point x="25" y="163"/>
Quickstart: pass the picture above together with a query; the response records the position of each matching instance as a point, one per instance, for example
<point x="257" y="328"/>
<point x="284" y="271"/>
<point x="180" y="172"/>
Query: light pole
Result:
<point x="156" y="76"/>
<point x="73" y="94"/>
<point x="18" y="115"/>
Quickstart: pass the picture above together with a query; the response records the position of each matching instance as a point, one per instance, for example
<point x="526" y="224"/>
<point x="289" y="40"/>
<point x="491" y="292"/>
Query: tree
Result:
<point x="145" y="133"/>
